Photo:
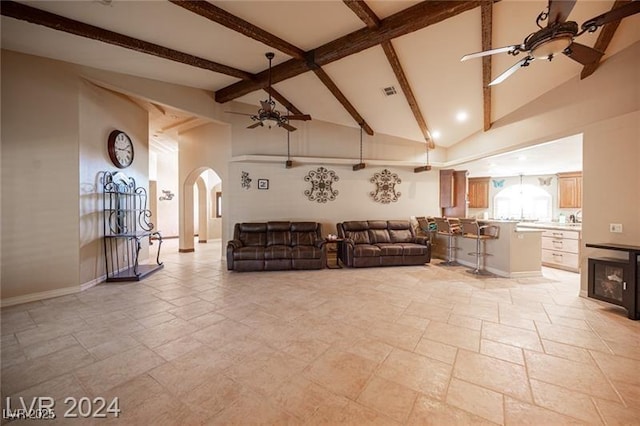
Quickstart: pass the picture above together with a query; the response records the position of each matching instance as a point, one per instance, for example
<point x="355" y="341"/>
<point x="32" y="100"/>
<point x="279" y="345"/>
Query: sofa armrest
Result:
<point x="319" y="242"/>
<point x="422" y="240"/>
<point x="235" y="244"/>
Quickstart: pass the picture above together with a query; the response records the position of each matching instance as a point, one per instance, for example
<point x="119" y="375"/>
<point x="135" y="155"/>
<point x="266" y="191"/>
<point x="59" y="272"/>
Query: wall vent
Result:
<point x="389" y="91"/>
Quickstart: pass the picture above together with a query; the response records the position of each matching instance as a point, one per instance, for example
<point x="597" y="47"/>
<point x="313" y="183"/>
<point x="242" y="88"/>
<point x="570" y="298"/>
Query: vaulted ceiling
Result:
<point x="333" y="58"/>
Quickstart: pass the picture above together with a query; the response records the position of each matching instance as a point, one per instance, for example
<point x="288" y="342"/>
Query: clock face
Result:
<point x="120" y="149"/>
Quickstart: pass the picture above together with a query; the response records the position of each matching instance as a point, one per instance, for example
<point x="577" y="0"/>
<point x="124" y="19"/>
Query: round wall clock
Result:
<point x="120" y="149"/>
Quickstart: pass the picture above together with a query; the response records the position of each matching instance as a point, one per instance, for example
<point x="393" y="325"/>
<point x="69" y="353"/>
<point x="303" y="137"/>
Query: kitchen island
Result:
<point x="515" y="253"/>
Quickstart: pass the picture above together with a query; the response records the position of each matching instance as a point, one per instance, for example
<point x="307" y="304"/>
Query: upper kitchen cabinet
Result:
<point x="570" y="190"/>
<point x="453" y="193"/>
<point x="479" y="193"/>
<point x="447" y="195"/>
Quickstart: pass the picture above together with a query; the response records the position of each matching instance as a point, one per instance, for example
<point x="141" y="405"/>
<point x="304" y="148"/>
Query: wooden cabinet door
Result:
<point x="479" y="193"/>
<point x="570" y="190"/>
<point x="447" y="196"/>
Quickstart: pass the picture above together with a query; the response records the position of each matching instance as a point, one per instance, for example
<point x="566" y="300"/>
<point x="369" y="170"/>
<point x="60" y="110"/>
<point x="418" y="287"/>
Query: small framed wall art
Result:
<point x="263" y="183"/>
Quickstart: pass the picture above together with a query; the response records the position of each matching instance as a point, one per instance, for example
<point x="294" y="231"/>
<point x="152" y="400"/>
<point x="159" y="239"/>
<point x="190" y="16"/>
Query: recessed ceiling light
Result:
<point x="461" y="116"/>
<point x="435" y="134"/>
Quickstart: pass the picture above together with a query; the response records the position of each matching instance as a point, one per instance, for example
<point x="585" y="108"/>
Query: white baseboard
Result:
<point x="49" y="294"/>
<point x="34" y="297"/>
<point x="501" y="273"/>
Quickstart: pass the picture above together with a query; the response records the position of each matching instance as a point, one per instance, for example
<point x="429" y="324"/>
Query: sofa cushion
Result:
<point x="366" y="250"/>
<point x="356" y="225"/>
<point x="398" y="224"/>
<point x="304" y="226"/>
<point x="390" y="249"/>
<point x="277" y="252"/>
<point x="252" y="234"/>
<point x="377" y="236"/>
<point x="400" y="235"/>
<point x="377" y="224"/>
<point x="359" y="237"/>
<point x="410" y="249"/>
<point x="249" y="253"/>
<point x="306" y="252"/>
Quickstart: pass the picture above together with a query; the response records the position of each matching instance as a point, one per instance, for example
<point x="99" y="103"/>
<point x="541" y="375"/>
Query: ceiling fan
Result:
<point x="557" y="37"/>
<point x="268" y="113"/>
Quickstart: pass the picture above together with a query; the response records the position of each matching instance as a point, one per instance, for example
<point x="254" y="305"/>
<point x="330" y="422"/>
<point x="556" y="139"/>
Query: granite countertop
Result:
<point x="552" y="225"/>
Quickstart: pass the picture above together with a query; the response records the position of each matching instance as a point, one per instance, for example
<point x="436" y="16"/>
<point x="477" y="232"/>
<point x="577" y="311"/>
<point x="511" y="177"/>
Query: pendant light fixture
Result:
<point x="361" y="164"/>
<point x="427" y="166"/>
<point x="288" y="164"/>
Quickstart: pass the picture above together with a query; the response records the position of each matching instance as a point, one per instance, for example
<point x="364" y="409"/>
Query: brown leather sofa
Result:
<point x="382" y="243"/>
<point x="273" y="246"/>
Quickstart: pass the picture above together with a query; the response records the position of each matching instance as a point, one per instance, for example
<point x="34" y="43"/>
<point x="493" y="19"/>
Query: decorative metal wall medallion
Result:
<point x="321" y="185"/>
<point x="246" y="181"/>
<point x="385" y="187"/>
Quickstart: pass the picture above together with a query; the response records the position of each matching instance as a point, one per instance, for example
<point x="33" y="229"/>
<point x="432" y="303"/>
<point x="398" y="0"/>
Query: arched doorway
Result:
<point x="198" y="208"/>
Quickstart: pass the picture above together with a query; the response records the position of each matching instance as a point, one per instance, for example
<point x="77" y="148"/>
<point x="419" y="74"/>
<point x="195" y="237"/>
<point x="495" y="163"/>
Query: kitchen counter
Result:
<point x="560" y="243"/>
<point x="552" y="225"/>
<point x="515" y="253"/>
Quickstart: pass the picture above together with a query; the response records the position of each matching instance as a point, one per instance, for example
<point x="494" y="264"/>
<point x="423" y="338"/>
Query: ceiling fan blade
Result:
<point x="303" y="117"/>
<point x="238" y="113"/>
<point x="254" y="125"/>
<point x="287" y="126"/>
<point x="613" y="15"/>
<point x="559" y="11"/>
<point x="583" y="54"/>
<point x="515" y="67"/>
<point x="490" y="52"/>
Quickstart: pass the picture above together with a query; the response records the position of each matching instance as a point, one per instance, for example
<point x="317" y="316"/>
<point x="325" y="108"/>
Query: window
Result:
<point x="523" y="202"/>
<point x="218" y="204"/>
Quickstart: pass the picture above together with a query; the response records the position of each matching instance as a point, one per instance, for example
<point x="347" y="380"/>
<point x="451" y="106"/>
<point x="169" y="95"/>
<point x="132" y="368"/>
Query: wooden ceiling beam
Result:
<point x="324" y="77"/>
<point x="232" y="22"/>
<point x="408" y="93"/>
<point x="372" y="21"/>
<point x="283" y="101"/>
<point x="604" y="38"/>
<point x="364" y="12"/>
<point x="486" y="11"/>
<point x="50" y="20"/>
<point x="224" y="18"/>
<point x="401" y="23"/>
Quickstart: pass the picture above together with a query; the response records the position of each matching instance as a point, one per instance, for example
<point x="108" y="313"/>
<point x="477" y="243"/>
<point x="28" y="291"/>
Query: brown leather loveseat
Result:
<point x="382" y="243"/>
<point x="275" y="246"/>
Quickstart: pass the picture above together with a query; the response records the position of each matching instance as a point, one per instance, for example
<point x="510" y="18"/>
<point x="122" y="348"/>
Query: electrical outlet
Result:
<point x="615" y="227"/>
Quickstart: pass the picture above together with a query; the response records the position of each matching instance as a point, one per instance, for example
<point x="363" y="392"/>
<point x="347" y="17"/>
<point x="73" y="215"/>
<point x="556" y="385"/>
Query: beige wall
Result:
<point x="285" y="198"/>
<point x="100" y="112"/>
<point x="40" y="196"/>
<point x="201" y="148"/>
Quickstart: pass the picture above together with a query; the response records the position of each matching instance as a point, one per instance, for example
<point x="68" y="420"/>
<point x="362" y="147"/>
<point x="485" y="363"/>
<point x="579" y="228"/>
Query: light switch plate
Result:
<point x="615" y="227"/>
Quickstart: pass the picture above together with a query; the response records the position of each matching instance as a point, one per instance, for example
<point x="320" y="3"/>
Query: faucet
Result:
<point x="578" y="216"/>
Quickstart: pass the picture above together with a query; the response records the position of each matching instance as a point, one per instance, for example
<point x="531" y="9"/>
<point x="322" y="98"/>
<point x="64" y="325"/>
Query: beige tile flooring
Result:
<point x="195" y="344"/>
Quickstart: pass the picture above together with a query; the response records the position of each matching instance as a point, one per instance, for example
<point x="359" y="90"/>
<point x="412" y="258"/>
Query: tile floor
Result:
<point x="195" y="344"/>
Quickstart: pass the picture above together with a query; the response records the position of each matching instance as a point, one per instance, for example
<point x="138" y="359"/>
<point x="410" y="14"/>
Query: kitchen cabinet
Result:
<point x="561" y="249"/>
<point x="570" y="190"/>
<point x="479" y="193"/>
<point x="446" y="188"/>
<point x="453" y="193"/>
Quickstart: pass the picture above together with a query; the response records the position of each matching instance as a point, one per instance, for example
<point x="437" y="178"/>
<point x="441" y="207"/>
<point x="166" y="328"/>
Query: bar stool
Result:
<point x="426" y="227"/>
<point x="450" y="228"/>
<point x="481" y="233"/>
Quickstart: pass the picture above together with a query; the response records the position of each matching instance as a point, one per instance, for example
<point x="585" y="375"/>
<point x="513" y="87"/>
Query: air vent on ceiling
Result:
<point x="389" y="91"/>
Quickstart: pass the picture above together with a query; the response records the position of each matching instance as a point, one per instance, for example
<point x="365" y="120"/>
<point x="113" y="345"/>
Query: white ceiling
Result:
<point x="562" y="155"/>
<point x="430" y="57"/>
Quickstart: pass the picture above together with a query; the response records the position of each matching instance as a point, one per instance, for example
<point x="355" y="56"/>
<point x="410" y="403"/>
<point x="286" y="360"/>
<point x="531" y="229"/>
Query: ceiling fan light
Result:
<point x="551" y="47"/>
